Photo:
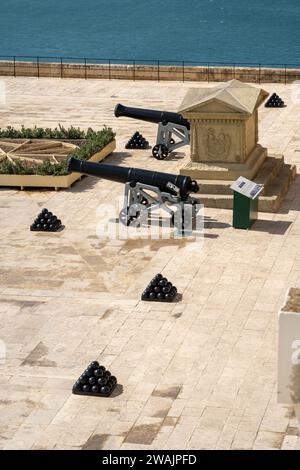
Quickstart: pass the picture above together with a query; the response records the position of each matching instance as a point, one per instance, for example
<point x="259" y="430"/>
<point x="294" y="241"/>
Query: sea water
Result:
<point x="236" y="31"/>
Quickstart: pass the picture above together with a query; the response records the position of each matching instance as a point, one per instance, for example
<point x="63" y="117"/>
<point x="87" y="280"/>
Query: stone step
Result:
<point x="276" y="191"/>
<point x="265" y="176"/>
<point x="226" y="171"/>
<point x="256" y="160"/>
<point x="269" y="170"/>
<point x="220" y="187"/>
<point x="282" y="181"/>
<point x="268" y="202"/>
<point x="219" y="201"/>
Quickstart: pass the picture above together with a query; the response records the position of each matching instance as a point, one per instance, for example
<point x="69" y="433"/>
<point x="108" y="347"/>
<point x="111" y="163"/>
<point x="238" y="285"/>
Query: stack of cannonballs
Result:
<point x="45" y="222"/>
<point x="160" y="290"/>
<point x="136" y="142"/>
<point x="95" y="381"/>
<point x="274" y="102"/>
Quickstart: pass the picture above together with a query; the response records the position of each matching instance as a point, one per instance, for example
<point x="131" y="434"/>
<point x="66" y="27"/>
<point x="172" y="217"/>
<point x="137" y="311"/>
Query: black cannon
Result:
<point x="145" y="190"/>
<point x="173" y="130"/>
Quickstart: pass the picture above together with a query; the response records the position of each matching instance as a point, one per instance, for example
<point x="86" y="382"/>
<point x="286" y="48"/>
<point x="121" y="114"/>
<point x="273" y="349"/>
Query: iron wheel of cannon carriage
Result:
<point x="160" y="152"/>
<point x="131" y="216"/>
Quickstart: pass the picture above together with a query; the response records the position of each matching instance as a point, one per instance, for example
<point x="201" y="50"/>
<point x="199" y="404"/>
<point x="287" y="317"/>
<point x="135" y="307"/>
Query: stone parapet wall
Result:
<point x="148" y="72"/>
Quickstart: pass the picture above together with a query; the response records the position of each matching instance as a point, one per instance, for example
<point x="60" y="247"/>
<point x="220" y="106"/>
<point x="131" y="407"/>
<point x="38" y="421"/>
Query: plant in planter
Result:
<point x="93" y="142"/>
<point x="59" y="132"/>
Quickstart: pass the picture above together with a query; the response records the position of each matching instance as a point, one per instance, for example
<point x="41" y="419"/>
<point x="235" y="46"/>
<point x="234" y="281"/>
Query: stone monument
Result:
<point x="224" y="144"/>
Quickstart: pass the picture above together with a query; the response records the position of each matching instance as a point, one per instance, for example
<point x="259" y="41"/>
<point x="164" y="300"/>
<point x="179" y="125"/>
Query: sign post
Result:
<point x="245" y="202"/>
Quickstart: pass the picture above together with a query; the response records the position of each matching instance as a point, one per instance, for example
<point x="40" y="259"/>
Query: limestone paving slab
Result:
<point x="196" y="374"/>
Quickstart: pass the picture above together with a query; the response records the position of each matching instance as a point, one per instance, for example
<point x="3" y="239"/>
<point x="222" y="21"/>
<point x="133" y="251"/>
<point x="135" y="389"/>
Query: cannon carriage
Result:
<point x="173" y="130"/>
<point x="146" y="190"/>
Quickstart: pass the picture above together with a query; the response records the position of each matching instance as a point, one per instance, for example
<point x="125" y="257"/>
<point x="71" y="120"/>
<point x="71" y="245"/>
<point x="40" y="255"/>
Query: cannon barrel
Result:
<point x="151" y="115"/>
<point x="123" y="174"/>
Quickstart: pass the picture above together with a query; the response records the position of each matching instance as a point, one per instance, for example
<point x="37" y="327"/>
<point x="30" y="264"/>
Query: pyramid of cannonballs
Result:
<point x="95" y="381"/>
<point x="136" y="142"/>
<point x="45" y="222"/>
<point x="160" y="290"/>
<point x="274" y="102"/>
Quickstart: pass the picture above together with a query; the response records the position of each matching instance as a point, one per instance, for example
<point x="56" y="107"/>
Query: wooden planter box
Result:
<point x="48" y="181"/>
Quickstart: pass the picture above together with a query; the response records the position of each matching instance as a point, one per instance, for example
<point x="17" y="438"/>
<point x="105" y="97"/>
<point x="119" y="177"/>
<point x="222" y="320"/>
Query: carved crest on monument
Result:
<point x="217" y="145"/>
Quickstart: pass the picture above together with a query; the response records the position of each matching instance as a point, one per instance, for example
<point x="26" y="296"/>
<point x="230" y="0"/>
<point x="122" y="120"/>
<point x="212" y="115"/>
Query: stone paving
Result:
<point x="196" y="374"/>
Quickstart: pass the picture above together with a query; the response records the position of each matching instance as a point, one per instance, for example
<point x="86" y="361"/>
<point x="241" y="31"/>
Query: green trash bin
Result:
<point x="245" y="202"/>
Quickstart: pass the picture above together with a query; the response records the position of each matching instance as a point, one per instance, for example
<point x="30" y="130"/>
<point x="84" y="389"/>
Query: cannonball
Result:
<point x="102" y="381"/>
<point x="98" y="372"/>
<point x="113" y="379"/>
<point x="94" y="365"/>
<point x="77" y="385"/>
<point x="89" y="372"/>
<point x="167" y="288"/>
<point x="83" y="379"/>
<point x="173" y="291"/>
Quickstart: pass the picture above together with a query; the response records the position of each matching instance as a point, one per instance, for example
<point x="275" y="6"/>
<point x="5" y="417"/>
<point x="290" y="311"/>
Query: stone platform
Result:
<point x="197" y="374"/>
<point x="226" y="170"/>
<point x="274" y="174"/>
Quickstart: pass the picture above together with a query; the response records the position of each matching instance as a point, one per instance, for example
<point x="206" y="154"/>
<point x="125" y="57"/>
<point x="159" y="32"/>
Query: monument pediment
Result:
<point x="214" y="106"/>
<point x="231" y="97"/>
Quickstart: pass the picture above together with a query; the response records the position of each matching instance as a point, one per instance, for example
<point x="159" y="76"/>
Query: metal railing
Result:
<point x="158" y="70"/>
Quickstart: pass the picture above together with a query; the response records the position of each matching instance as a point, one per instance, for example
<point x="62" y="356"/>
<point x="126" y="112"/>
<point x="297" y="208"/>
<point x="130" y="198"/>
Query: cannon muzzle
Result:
<point x="166" y="182"/>
<point x="151" y="115"/>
